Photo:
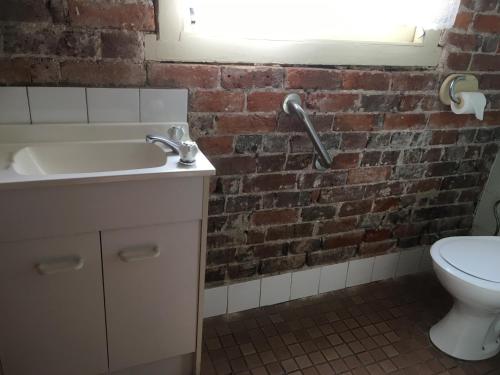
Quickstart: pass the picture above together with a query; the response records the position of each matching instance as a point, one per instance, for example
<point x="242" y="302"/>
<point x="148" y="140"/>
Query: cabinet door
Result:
<point x="151" y="290"/>
<point x="52" y="307"/>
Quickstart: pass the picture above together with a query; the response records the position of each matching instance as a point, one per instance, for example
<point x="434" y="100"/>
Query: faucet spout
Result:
<point x="187" y="150"/>
<point x="165" y="141"/>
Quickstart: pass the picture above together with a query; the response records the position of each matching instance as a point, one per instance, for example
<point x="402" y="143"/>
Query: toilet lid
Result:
<point x="477" y="256"/>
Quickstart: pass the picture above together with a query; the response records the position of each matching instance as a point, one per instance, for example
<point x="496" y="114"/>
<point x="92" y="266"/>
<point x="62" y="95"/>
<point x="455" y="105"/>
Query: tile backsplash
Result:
<point x="37" y="105"/>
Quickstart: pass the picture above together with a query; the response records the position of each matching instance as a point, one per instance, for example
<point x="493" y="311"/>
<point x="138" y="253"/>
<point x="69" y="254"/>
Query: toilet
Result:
<point x="469" y="269"/>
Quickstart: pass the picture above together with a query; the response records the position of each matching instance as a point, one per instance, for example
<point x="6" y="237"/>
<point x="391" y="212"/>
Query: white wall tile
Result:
<point x="57" y="104"/>
<point x="426" y="260"/>
<point x="160" y="105"/>
<point x="333" y="277"/>
<point x="275" y="289"/>
<point x="409" y="262"/>
<point x="360" y="271"/>
<point x="305" y="283"/>
<point x="14" y="107"/>
<point x="215" y="301"/>
<point x="243" y="296"/>
<point x="384" y="266"/>
<point x="113" y="105"/>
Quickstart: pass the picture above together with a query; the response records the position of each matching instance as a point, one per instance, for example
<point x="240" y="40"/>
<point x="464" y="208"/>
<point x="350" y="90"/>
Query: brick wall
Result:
<point x="405" y="172"/>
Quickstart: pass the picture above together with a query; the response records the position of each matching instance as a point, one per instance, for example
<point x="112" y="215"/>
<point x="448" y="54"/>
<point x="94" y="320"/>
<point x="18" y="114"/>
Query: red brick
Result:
<point x="487" y="23"/>
<point x="445" y="120"/>
<point x="413" y="81"/>
<point x="289" y="231"/>
<point x="121" y="44"/>
<point x="458" y="60"/>
<point x="385" y="204"/>
<point x="25" y="11"/>
<point x="373" y="248"/>
<point x="404" y="121"/>
<point x="463" y="20"/>
<point x="245" y="124"/>
<point x="341" y="194"/>
<point x="265" y="101"/>
<point x="485" y="62"/>
<point x="343" y="240"/>
<point x="368" y="175"/>
<point x="251" y="77"/>
<point x="354" y="122"/>
<point x="284" y="263"/>
<point x="466" y="42"/>
<point x="242" y="270"/>
<point x="216" y="101"/>
<point x="269" y="217"/>
<point x="270" y="163"/>
<point x="486" y="5"/>
<point x="353" y="141"/>
<point x="441" y="169"/>
<point x="14" y="71"/>
<point x="269" y="182"/>
<point x="444" y="137"/>
<point x="328" y="102"/>
<point x="139" y="16"/>
<point x="355" y="80"/>
<point x="489" y="81"/>
<point x="183" y="75"/>
<point x="335" y="255"/>
<point x="306" y="78"/>
<point x="375" y="235"/>
<point x="44" y="72"/>
<point x="88" y="73"/>
<point x="338" y="225"/>
<point x="234" y="165"/>
<point x="51" y="41"/>
<point x="423" y="186"/>
<point x="355" y="208"/>
<point x="345" y="161"/>
<point x="287" y="123"/>
<point x="216" y="145"/>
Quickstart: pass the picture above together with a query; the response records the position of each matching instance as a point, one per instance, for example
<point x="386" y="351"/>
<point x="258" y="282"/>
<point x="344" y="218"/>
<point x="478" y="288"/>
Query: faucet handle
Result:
<point x="187" y="152"/>
<point x="175" y="133"/>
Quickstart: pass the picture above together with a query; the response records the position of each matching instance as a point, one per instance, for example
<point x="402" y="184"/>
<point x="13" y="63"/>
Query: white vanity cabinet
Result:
<point x="151" y="289"/>
<point x="51" y="307"/>
<point x="125" y="297"/>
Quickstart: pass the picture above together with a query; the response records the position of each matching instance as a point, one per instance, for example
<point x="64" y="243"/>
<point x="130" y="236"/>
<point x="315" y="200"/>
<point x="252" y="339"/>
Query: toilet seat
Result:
<point x="476" y="256"/>
<point x="455" y="269"/>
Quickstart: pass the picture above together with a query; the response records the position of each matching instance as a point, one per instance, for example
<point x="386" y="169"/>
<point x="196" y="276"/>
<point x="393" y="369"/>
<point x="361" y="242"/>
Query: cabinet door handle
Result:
<point x="139" y="253"/>
<point x="60" y="264"/>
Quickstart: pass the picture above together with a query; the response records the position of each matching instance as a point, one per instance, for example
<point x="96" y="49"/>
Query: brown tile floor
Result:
<point x="373" y="329"/>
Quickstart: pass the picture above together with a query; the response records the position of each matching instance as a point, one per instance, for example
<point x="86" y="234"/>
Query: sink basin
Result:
<point x="86" y="157"/>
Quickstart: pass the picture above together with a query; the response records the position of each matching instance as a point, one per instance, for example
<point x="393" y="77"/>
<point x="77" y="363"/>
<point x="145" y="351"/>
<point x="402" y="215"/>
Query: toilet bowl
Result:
<point x="469" y="269"/>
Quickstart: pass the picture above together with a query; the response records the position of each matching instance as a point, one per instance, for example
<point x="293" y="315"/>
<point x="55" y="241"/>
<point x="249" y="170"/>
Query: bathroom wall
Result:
<point x="484" y="219"/>
<point x="406" y="171"/>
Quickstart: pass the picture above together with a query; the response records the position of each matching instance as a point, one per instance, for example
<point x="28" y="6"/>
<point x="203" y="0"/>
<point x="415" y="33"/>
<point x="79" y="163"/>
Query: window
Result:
<point x="316" y="32"/>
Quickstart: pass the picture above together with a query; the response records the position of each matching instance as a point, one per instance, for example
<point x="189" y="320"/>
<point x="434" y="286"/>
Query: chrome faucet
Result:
<point x="187" y="150"/>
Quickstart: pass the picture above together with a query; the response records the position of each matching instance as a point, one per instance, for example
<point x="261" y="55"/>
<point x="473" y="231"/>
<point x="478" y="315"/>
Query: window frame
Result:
<point x="167" y="45"/>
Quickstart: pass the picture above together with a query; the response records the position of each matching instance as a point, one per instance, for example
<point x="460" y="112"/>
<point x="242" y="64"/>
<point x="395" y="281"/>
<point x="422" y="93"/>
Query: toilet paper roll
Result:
<point x="470" y="102"/>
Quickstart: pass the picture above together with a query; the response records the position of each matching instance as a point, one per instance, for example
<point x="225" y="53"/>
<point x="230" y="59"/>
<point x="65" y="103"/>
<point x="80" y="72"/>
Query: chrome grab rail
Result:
<point x="292" y="104"/>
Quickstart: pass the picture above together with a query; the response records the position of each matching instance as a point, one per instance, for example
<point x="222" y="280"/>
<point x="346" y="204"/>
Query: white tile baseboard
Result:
<point x="270" y="290"/>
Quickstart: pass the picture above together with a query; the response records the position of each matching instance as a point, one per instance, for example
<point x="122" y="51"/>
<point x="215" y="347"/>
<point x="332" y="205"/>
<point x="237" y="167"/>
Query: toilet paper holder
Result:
<point x="455" y="83"/>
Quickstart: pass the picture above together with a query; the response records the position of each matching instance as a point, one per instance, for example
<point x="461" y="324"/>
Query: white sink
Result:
<point x="69" y="154"/>
<point x="86" y="157"/>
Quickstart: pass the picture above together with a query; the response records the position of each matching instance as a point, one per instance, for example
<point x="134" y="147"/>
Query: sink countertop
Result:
<point x="15" y="137"/>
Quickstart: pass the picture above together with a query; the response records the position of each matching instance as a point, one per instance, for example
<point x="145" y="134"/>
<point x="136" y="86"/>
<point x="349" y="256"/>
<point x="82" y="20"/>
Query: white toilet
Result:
<point x="469" y="268"/>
